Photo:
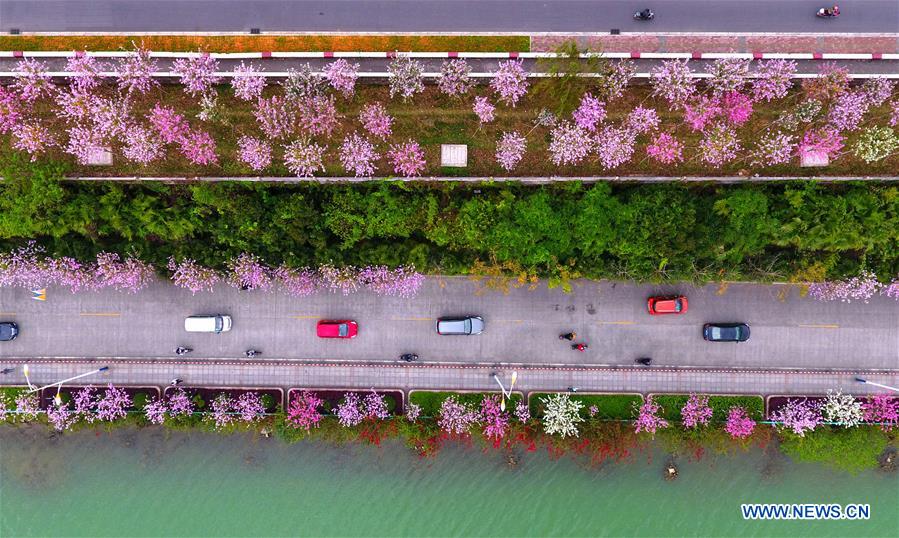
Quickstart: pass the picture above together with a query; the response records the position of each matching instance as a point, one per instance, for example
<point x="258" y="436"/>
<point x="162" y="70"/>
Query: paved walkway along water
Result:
<point x="521" y="327"/>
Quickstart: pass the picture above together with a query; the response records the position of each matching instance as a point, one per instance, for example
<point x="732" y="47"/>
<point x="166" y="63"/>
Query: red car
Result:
<point x="667" y="305"/>
<point x="341" y="328"/>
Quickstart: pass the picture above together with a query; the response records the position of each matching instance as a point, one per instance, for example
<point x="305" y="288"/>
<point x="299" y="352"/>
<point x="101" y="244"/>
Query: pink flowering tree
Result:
<point x="349" y="410"/>
<point x="136" y="72"/>
<point x="484" y="109"/>
<point x="358" y="155"/>
<point x="60" y="417"/>
<point x="303" y="158"/>
<point x="642" y="120"/>
<point x="221" y="411"/>
<point x="413" y="411"/>
<point x="405" y="77"/>
<point x="32" y="138"/>
<point x="343" y="280"/>
<point x="696" y="412"/>
<point x="190" y="275"/>
<point x="456" y="418"/>
<point x="342" y="75"/>
<point x="142" y="145"/>
<point x="376" y="120"/>
<point x="719" y="146"/>
<point x="254" y="153"/>
<point x="739" y="425"/>
<point x="773" y="79"/>
<point x="510" y="82"/>
<point x="275" y="116"/>
<point x="249" y="407"/>
<point x="375" y="406"/>
<point x="455" y="77"/>
<point x="318" y="115"/>
<point x="510" y="149"/>
<point x="569" y="144"/>
<point x="249" y="273"/>
<point x="673" y="81"/>
<point x="155" y="410"/>
<point x="858" y="288"/>
<point x="832" y="80"/>
<point x="113" y="405"/>
<point x="407" y="159"/>
<point x="614" y="146"/>
<point x="303" y="410"/>
<point x="11" y="110"/>
<point x="197" y="73"/>
<point x="296" y="282"/>
<point x="32" y="80"/>
<point x="198" y="147"/>
<point x="85" y="404"/>
<point x="648" y="418"/>
<point x="825" y="141"/>
<point x="737" y="108"/>
<point x="403" y="281"/>
<point x="798" y="416"/>
<point x="699" y="112"/>
<point x="774" y="147"/>
<point x="882" y="409"/>
<point x="589" y="113"/>
<point x="171" y="126"/>
<point x="247" y="82"/>
<point x="179" y="404"/>
<point x="894" y="113"/>
<point x="848" y="110"/>
<point x="666" y="149"/>
<point x="84" y="143"/>
<point x="72" y="105"/>
<point x="130" y="274"/>
<point x="877" y="90"/>
<point x="728" y="75"/>
<point x="85" y="71"/>
<point x="494" y="419"/>
<point x="522" y="412"/>
<point x="27" y="407"/>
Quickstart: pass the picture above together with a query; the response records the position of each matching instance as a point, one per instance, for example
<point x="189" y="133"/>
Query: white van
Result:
<point x="208" y="324"/>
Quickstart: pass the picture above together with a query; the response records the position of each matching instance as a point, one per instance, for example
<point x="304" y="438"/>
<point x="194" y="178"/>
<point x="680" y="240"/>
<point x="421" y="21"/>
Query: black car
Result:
<point x="725" y="332"/>
<point x="8" y="331"/>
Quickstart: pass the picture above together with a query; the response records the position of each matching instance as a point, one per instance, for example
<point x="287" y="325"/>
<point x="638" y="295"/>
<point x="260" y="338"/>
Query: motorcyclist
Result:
<point x="579" y="347"/>
<point x="252" y="353"/>
<point x="182" y="350"/>
<point x="568" y="336"/>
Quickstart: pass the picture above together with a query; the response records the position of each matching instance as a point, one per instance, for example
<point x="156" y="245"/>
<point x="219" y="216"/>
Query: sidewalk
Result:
<point x="747" y="43"/>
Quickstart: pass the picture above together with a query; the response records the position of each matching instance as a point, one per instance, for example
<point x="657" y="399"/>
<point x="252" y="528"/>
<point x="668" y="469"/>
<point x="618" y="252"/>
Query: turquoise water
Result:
<point x="153" y="482"/>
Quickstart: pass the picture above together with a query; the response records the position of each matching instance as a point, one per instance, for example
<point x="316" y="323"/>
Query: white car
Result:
<point x="217" y="323"/>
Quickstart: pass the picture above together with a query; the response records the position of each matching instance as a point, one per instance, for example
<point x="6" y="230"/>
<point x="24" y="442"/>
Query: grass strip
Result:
<point x="272" y="43"/>
<point x="673" y="403"/>
<point x="609" y="406"/>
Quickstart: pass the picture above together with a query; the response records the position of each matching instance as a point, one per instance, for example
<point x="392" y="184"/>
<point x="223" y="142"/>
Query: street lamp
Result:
<point x="506" y="394"/>
<point x="861" y="380"/>
<point x="59" y="383"/>
<point x="27" y="380"/>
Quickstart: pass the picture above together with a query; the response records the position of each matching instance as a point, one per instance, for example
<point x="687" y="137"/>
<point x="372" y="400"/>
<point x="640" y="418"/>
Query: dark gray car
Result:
<point x="725" y="332"/>
<point x="8" y="331"/>
<point x="462" y="325"/>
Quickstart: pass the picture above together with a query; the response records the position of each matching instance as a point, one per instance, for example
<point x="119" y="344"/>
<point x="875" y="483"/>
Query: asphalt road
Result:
<point x="871" y="16"/>
<point x="478" y="65"/>
<point x="522" y="327"/>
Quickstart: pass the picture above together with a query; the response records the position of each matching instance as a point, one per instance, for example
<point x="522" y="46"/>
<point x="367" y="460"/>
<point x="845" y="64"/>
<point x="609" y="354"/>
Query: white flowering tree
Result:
<point x="842" y="409"/>
<point x="561" y="415"/>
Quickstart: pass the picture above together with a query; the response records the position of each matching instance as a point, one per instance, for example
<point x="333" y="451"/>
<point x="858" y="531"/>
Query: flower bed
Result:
<point x="672" y="404"/>
<point x="331" y="398"/>
<point x="607" y="406"/>
<point x="429" y="401"/>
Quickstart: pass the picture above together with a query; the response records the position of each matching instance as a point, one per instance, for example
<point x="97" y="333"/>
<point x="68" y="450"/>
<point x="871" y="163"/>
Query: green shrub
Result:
<point x="140" y="401"/>
<point x="611" y="406"/>
<point x="430" y="402"/>
<point x="673" y="403"/>
<point x="849" y="449"/>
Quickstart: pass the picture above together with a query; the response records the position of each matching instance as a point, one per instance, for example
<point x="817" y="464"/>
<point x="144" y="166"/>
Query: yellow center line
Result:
<point x="509" y="320"/>
<point x="412" y="319"/>
<point x="821" y="326"/>
<point x="616" y="322"/>
<point x="7" y="313"/>
<point x="305" y="317"/>
<point x="102" y="314"/>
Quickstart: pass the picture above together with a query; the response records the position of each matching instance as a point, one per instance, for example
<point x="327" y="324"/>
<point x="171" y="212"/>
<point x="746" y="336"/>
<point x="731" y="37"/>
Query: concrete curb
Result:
<point x="527" y="180"/>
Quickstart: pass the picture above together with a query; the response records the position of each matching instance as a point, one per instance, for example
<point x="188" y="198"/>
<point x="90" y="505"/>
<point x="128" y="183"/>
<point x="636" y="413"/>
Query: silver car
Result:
<point x="463" y="325"/>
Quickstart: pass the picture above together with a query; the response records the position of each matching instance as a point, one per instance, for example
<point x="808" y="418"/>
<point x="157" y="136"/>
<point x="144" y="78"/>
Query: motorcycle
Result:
<point x="409" y="357"/>
<point x="830" y="13"/>
<point x="252" y="353"/>
<point x="645" y="361"/>
<point x="645" y="15"/>
<point x="579" y="347"/>
<point x="182" y="350"/>
<point x="568" y="336"/>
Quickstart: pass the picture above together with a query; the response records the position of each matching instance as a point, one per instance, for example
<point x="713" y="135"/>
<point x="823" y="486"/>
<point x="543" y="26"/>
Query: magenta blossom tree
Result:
<point x="249" y="273"/>
<point x="10" y="110"/>
<point x="614" y="146"/>
<point x="32" y="138"/>
<point x="494" y="419"/>
<point x="198" y="147"/>
<point x="589" y="113"/>
<point x="142" y="145"/>
<point x="155" y="411"/>
<point x="882" y="409"/>
<point x="484" y="110"/>
<point x="510" y="149"/>
<point x="136" y="72"/>
<point x="130" y="274"/>
<point x="303" y="410"/>
<point x="407" y="159"/>
<point x="318" y="115"/>
<point x="190" y="275"/>
<point x="848" y="110"/>
<point x="858" y="288"/>
<point x="171" y="126"/>
<point x="699" y="112"/>
<point x="247" y="82"/>
<point x="696" y="412"/>
<point x="197" y="73"/>
<point x="522" y="412"/>
<point x="456" y="418"/>
<point x="510" y="82"/>
<point x="376" y="120"/>
<point x="301" y="282"/>
<point x="403" y="281"/>
<point x="85" y="403"/>
<point x="342" y="75"/>
<point x="648" y="419"/>
<point x="825" y="141"/>
<point x="642" y="120"/>
<point x="113" y="405"/>
<point x="84" y="144"/>
<point x="666" y="149"/>
<point x="455" y="78"/>
<point x="254" y="152"/>
<point x="739" y="425"/>
<point x="60" y="417"/>
<point x="180" y="404"/>
<point x="375" y="406"/>
<point x="249" y="407"/>
<point x="737" y="108"/>
<point x="27" y="407"/>
<point x="32" y="80"/>
<point x="222" y="411"/>
<point x="773" y="79"/>
<point x="358" y="155"/>
<point x="85" y="71"/>
<point x="799" y="416"/>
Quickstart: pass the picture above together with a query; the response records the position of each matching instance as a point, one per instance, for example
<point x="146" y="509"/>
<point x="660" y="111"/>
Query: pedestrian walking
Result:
<point x="7" y="370"/>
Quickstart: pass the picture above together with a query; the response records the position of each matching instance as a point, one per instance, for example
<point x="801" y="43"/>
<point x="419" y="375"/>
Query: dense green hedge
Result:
<point x="611" y="406"/>
<point x="850" y="449"/>
<point x="673" y="403"/>
<point x="804" y="231"/>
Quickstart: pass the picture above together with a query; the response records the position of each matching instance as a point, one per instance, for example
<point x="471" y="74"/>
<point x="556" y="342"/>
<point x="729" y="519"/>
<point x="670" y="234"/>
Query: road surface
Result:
<point x="519" y="16"/>
<point x="522" y="326"/>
